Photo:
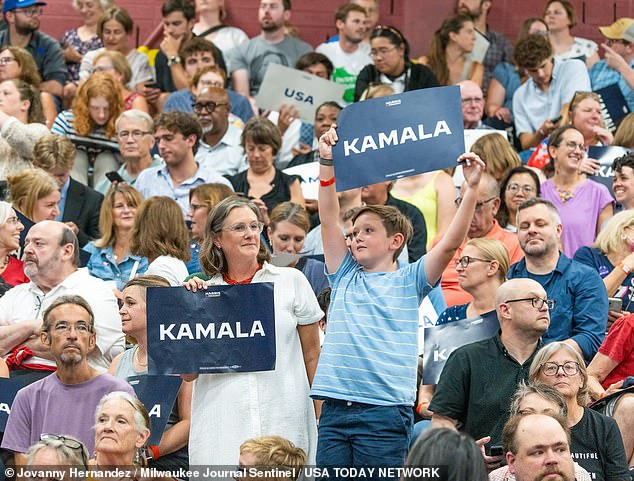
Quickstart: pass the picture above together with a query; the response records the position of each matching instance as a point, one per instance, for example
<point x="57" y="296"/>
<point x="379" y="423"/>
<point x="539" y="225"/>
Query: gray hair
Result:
<point x="546" y="352"/>
<point x="6" y="209"/>
<point x="66" y="455"/>
<point x="63" y="300"/>
<point x="545" y="391"/>
<point x="135" y="114"/>
<point x="141" y="416"/>
<point x="104" y="4"/>
<point x="69" y="237"/>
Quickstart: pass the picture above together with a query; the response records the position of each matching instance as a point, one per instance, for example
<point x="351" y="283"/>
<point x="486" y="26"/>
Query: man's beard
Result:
<point x="207" y="129"/>
<point x="25" y="30"/>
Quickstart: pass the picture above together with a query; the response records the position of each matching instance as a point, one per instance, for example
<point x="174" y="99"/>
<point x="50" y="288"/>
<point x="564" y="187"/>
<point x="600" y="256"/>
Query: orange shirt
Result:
<point x="449" y="283"/>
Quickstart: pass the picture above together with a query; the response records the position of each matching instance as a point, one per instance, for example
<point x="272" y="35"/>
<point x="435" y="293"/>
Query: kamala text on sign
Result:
<point x="216" y="330"/>
<point x="398" y="136"/>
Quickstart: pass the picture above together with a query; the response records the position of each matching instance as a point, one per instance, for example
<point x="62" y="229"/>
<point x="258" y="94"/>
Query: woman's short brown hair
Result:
<point x="262" y="131"/>
<point x="28" y="68"/>
<point x="160" y="230"/>
<point x="119" y="15"/>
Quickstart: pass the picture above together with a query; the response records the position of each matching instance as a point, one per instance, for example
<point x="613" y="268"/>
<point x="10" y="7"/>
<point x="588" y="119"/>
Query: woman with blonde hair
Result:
<point x="450" y="45"/>
<point x="160" y="234"/>
<point x="21" y="125"/>
<point x="273" y="452"/>
<point x="497" y="153"/>
<point x="584" y="113"/>
<point x="110" y="257"/>
<point x="612" y="256"/>
<point x="35" y="194"/>
<point x="90" y="124"/>
<point x="600" y="446"/>
<point x="18" y="63"/>
<point x="115" y="63"/>
<point x="624" y="135"/>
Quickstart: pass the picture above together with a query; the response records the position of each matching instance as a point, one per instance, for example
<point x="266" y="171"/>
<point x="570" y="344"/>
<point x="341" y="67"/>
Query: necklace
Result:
<point x="565" y="195"/>
<point x="229" y="280"/>
<point x="137" y="358"/>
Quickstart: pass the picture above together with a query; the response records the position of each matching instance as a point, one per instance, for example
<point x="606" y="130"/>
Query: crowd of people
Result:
<point x="122" y="174"/>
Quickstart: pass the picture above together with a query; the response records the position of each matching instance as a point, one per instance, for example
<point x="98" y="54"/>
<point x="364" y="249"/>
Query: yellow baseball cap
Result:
<point x="622" y="29"/>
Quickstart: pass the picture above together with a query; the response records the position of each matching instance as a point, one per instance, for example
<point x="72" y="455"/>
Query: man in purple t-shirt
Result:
<point x="65" y="401"/>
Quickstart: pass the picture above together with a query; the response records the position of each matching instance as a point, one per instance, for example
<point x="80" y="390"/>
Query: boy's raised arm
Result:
<point x="335" y="248"/>
<point x="437" y="259"/>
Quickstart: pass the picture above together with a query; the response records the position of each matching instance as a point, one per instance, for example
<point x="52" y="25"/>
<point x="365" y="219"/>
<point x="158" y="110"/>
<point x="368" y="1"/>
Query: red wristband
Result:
<point x="420" y="405"/>
<point x="155" y="452"/>
<point x="326" y="183"/>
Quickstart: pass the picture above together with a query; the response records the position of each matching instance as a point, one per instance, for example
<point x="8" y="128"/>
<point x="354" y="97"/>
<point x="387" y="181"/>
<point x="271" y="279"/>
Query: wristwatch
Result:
<point x="173" y="60"/>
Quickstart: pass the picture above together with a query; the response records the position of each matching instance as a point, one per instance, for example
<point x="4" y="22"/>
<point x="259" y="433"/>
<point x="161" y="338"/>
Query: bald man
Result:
<point x="483" y="224"/>
<point x="472" y="105"/>
<point x="538" y="446"/>
<point x="51" y="261"/>
<point x="220" y="148"/>
<point x="476" y="385"/>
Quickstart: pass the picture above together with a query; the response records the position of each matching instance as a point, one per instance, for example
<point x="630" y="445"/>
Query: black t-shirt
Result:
<point x="596" y="445"/>
<point x="476" y="386"/>
<point x="280" y="187"/>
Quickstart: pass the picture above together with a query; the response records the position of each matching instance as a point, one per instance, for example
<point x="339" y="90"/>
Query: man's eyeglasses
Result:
<point x="80" y="326"/>
<point x="537" y="302"/>
<point x="464" y="261"/>
<point x="477" y="100"/>
<point x="135" y="134"/>
<point x="208" y="106"/>
<point x="478" y="206"/>
<point x="570" y="368"/>
<point x="30" y="12"/>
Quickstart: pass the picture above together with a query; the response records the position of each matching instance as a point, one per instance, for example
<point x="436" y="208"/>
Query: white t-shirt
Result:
<point x="347" y="65"/>
<point x="172" y="269"/>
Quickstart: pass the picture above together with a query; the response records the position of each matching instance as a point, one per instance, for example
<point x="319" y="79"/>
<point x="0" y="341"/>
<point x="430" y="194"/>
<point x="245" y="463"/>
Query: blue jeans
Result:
<point x="355" y="434"/>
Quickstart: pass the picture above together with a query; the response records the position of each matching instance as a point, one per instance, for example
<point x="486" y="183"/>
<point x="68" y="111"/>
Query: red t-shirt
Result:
<point x="14" y="272"/>
<point x="619" y="346"/>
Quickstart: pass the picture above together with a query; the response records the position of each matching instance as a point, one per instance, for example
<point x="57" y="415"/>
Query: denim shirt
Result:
<point x="581" y="303"/>
<point x="103" y="265"/>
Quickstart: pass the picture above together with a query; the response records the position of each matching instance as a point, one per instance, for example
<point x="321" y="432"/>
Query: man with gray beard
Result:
<point x="51" y="261"/>
<point x="64" y="402"/>
<point x="220" y="148"/>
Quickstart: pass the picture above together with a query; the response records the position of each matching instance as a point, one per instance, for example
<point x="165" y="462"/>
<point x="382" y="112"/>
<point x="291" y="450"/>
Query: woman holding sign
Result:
<point x="171" y="453"/>
<point x="228" y="409"/>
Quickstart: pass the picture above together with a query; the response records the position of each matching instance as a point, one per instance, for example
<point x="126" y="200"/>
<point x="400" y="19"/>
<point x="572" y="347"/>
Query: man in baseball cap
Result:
<point x="616" y="66"/>
<point x="23" y="23"/>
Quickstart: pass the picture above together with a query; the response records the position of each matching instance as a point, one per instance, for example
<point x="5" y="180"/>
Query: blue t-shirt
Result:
<point x="370" y="354"/>
<point x="581" y="303"/>
<point x="593" y="257"/>
<point x="510" y="79"/>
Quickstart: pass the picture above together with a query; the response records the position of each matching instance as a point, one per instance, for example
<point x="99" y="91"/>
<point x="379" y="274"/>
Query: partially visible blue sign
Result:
<point x="8" y="389"/>
<point x="216" y="330"/>
<point x="443" y="339"/>
<point x="398" y="136"/>
<point x="158" y="395"/>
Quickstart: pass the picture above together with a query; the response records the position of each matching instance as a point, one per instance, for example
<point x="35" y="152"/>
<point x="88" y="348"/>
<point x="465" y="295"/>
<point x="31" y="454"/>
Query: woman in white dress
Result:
<point x="228" y="409"/>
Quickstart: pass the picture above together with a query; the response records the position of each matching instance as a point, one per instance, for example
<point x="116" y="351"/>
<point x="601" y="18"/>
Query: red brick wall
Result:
<point x="417" y="18"/>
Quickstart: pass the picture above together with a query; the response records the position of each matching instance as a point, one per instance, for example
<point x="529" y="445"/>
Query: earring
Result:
<point x="137" y="457"/>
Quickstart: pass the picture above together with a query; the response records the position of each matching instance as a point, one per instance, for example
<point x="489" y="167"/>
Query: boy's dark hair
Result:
<point x="286" y="4"/>
<point x="393" y="221"/>
<point x="626" y="160"/>
<point x="312" y="58"/>
<point x="532" y="51"/>
<point x="200" y="44"/>
<point x="180" y="122"/>
<point x="343" y="11"/>
<point x="186" y="6"/>
<point x="323" y="299"/>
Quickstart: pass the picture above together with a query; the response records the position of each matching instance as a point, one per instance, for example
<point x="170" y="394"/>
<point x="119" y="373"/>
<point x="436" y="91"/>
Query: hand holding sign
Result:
<point x="472" y="168"/>
<point x="327" y="142"/>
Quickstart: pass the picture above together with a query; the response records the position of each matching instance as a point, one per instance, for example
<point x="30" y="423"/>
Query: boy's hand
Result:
<point x="327" y="141"/>
<point x="472" y="168"/>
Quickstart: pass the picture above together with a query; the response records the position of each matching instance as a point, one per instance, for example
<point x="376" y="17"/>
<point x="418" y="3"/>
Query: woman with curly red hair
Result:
<point x="90" y="125"/>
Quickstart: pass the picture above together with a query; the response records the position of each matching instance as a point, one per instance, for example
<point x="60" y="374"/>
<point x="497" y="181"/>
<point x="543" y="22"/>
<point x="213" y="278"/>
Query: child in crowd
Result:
<point x="367" y="370"/>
